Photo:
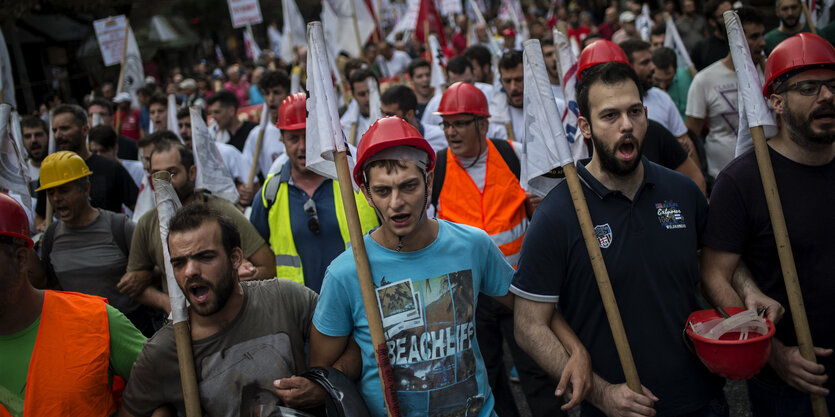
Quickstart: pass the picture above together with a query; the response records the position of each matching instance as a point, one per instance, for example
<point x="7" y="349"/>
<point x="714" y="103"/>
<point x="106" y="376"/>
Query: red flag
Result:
<point x="429" y="13"/>
<point x="376" y="21"/>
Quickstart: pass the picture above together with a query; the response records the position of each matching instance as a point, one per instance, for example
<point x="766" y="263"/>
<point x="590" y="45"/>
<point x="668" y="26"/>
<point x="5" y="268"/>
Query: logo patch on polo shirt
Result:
<point x="604" y="235"/>
<point x="669" y="215"/>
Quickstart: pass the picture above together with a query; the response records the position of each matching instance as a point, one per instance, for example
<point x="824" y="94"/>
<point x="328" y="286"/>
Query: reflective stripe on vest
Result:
<point x="499" y="209"/>
<point x="68" y="372"/>
<point x="288" y="264"/>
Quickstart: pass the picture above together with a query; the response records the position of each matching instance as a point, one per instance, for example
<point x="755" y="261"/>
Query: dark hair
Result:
<point x="404" y="97"/>
<point x="633" y="45"/>
<point x="107" y="104"/>
<point x="459" y="64"/>
<point x="609" y="73"/>
<point x="226" y="98"/>
<point x="591" y="37"/>
<point x="104" y="135"/>
<point x="360" y="75"/>
<point x="415" y="64"/>
<point x="30" y="121"/>
<point x="146" y="90"/>
<point x="352" y="65"/>
<point x="274" y="78"/>
<point x="711" y="6"/>
<point x="478" y="53"/>
<point x="749" y="15"/>
<point x="664" y="57"/>
<point x="192" y="216"/>
<point x="184" y="112"/>
<point x="510" y="60"/>
<point x="186" y="156"/>
<point x="78" y="114"/>
<point x="659" y="30"/>
<point x="158" y="98"/>
<point x="156" y="138"/>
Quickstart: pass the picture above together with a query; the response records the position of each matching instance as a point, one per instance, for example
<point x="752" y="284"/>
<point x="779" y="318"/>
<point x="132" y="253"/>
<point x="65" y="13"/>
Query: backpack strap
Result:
<point x="117" y="228"/>
<point x="508" y="155"/>
<point x="270" y="190"/>
<point x="440" y="173"/>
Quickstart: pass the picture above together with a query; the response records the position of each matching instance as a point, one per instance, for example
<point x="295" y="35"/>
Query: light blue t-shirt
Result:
<point x="427" y="301"/>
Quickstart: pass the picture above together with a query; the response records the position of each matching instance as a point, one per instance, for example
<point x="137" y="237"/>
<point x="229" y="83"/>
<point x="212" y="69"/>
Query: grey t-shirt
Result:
<point x="88" y="259"/>
<point x="235" y="367"/>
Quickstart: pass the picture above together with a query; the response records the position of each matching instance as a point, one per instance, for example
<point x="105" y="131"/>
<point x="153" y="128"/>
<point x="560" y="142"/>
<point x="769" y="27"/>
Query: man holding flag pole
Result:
<point x="751" y="223"/>
<point x="647" y="221"/>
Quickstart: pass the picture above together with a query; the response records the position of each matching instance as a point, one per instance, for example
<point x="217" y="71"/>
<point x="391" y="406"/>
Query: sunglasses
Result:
<point x="313" y="221"/>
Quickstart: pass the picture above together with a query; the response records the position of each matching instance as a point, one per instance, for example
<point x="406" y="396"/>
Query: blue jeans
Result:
<point x="771" y="398"/>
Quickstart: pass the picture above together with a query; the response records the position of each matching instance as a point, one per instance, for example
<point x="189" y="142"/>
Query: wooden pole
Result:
<point x="256" y="155"/>
<point x="185" y="357"/>
<point x="353" y="139"/>
<point x="426" y="40"/>
<point x="508" y="127"/>
<point x="375" y="324"/>
<point x="809" y="20"/>
<point x="784" y="251"/>
<point x="602" y="275"/>
<point x="49" y="213"/>
<point x="357" y="27"/>
<point x="124" y="56"/>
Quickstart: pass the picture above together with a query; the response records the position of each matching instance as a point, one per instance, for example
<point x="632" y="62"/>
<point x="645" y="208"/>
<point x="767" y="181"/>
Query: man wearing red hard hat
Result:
<point x="428" y="274"/>
<point x="298" y="211"/>
<point x="800" y="86"/>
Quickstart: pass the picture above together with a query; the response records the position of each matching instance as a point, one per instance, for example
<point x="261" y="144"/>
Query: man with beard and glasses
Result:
<point x="648" y="221"/>
<point x="712" y="97"/>
<point x="244" y="334"/>
<point x="298" y="211"/>
<point x="800" y="85"/>
<point x="146" y="249"/>
<point x="788" y="11"/>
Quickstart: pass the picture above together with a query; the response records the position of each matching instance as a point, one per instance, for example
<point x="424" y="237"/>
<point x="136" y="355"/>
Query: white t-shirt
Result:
<point x="398" y="63"/>
<point x="34" y="172"/>
<point x="517" y="120"/>
<point x="429" y="117"/>
<point x="135" y="170"/>
<point x="271" y="149"/>
<point x="435" y="136"/>
<point x="713" y="96"/>
<point x="352" y="115"/>
<point x="662" y="109"/>
<point x="234" y="161"/>
<point x="485" y="88"/>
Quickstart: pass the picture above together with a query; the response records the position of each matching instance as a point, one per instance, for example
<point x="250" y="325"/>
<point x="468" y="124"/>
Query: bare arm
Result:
<point x="153" y="297"/>
<point x="37" y="271"/>
<point x="689" y="168"/>
<point x="264" y="261"/>
<point x="694" y="124"/>
<point x="687" y="143"/>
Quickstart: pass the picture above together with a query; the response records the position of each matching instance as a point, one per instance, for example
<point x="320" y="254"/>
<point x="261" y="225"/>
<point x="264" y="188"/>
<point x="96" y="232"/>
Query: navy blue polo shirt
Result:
<point x="315" y="250"/>
<point x="650" y="249"/>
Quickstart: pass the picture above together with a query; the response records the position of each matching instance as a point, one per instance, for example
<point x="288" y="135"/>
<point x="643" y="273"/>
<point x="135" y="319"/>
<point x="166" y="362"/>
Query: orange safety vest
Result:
<point x="499" y="209"/>
<point x="68" y="372"/>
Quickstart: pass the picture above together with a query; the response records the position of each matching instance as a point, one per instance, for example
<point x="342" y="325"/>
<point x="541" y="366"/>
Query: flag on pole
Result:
<point x="512" y="10"/>
<point x="212" y="173"/>
<point x="275" y="39"/>
<point x="753" y="110"/>
<point x="253" y="52"/>
<point x="145" y="201"/>
<point x="407" y="22"/>
<point x="567" y="65"/>
<point x="323" y="130"/>
<point x="819" y="9"/>
<point x="438" y="79"/>
<point x="134" y="75"/>
<point x="544" y="147"/>
<point x="171" y="117"/>
<point x="6" y="80"/>
<point x="374" y="110"/>
<point x="293" y="33"/>
<point x="494" y="43"/>
<point x="17" y="134"/>
<point x="338" y="23"/>
<point x="643" y="22"/>
<point x="672" y="40"/>
<point x="14" y="174"/>
<point x="167" y="204"/>
<point x="429" y="13"/>
<point x="451" y="7"/>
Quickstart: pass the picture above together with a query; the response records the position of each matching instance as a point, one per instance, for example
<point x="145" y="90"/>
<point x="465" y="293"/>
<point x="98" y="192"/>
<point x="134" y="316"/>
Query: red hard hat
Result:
<point x="463" y="98"/>
<point x="730" y="357"/>
<point x="800" y="51"/>
<point x="600" y="52"/>
<point x="293" y="112"/>
<point x="13" y="220"/>
<point x="385" y="133"/>
<point x="509" y="32"/>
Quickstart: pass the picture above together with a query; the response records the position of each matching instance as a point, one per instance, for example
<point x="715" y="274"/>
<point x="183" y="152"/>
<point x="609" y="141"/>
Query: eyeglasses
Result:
<point x="313" y="222"/>
<point x="458" y="124"/>
<point x="810" y="87"/>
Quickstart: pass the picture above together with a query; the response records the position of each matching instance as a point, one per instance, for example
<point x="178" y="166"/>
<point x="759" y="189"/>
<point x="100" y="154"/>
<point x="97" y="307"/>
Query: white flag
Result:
<point x="167" y="204"/>
<point x="212" y="173"/>
<point x="544" y="147"/>
<point x="17" y="134"/>
<point x="819" y="9"/>
<point x="14" y="174"/>
<point x="275" y="39"/>
<point x="672" y="40"/>
<point x="494" y="43"/>
<point x="438" y="79"/>
<point x="293" y="30"/>
<point x="374" y="112"/>
<point x="6" y="80"/>
<point x="173" y="126"/>
<point x="753" y="110"/>
<point x="323" y="130"/>
<point x="133" y="77"/>
<point x="295" y="82"/>
<point x="451" y="7"/>
<point x="567" y="65"/>
<point x="407" y="22"/>
<point x="338" y="24"/>
<point x="145" y="200"/>
<point x="253" y="52"/>
<point x="643" y="22"/>
<point x="512" y="10"/>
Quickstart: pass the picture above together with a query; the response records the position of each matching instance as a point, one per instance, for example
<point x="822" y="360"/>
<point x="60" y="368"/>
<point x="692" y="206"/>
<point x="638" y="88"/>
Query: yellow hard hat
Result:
<point x="60" y="168"/>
